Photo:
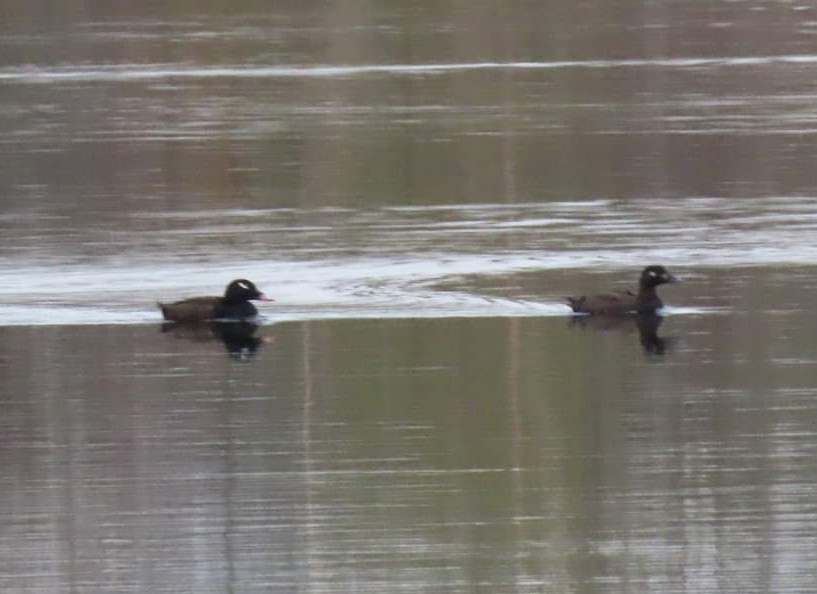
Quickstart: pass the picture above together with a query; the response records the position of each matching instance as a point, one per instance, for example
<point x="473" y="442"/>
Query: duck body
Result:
<point x="234" y="305"/>
<point x="645" y="301"/>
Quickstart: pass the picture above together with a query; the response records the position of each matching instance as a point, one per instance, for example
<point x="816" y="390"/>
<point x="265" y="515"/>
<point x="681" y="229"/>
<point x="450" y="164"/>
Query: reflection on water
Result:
<point x="239" y="338"/>
<point x="645" y="324"/>
<point x="404" y="455"/>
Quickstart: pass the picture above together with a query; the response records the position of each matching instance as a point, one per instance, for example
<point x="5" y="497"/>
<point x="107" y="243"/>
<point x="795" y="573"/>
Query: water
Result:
<point x="418" y="188"/>
<point x="390" y="261"/>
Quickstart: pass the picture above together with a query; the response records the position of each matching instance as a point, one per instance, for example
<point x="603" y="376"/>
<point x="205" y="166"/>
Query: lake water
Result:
<point x="418" y="188"/>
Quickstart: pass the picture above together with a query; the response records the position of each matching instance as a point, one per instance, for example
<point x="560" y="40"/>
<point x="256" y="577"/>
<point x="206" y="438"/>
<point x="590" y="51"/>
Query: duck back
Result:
<point x="196" y="309"/>
<point x="618" y="302"/>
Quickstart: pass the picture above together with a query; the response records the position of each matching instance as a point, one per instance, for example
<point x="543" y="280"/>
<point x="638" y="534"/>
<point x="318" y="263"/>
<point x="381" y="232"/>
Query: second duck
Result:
<point x="645" y="301"/>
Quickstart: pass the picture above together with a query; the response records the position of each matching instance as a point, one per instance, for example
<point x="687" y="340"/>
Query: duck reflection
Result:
<point x="239" y="338"/>
<point x="646" y="324"/>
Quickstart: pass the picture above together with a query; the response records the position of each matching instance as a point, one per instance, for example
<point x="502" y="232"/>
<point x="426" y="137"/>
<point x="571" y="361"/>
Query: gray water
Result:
<point x="418" y="188"/>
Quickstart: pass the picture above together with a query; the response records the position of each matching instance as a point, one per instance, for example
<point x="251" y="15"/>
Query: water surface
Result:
<point x="418" y="187"/>
<point x="443" y="261"/>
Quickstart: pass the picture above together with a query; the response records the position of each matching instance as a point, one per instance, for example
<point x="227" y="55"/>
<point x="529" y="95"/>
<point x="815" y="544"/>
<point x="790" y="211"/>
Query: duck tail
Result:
<point x="575" y="303"/>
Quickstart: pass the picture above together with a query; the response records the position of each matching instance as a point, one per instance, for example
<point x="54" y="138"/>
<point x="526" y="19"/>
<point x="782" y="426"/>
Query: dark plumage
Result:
<point x="235" y="305"/>
<point x="622" y="302"/>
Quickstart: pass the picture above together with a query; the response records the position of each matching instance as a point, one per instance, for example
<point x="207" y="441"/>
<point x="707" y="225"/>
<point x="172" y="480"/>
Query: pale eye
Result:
<point x="653" y="273"/>
<point x="244" y="286"/>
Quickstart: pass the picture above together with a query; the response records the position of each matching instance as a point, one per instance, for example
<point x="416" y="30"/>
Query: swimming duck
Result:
<point x="235" y="305"/>
<point x="646" y="300"/>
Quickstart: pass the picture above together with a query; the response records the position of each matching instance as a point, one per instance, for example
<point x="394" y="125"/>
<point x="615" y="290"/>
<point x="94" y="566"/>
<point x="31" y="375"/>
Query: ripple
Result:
<point x="137" y="71"/>
<point x="391" y="262"/>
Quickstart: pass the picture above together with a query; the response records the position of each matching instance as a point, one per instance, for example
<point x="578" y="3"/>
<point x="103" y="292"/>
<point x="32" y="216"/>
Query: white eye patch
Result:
<point x="244" y="286"/>
<point x="652" y="273"/>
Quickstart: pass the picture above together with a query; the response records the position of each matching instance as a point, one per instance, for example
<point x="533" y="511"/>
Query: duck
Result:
<point x="234" y="305"/>
<point x="645" y="301"/>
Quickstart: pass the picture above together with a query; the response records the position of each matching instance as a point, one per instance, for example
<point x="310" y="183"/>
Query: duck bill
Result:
<point x="262" y="297"/>
<point x="671" y="279"/>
